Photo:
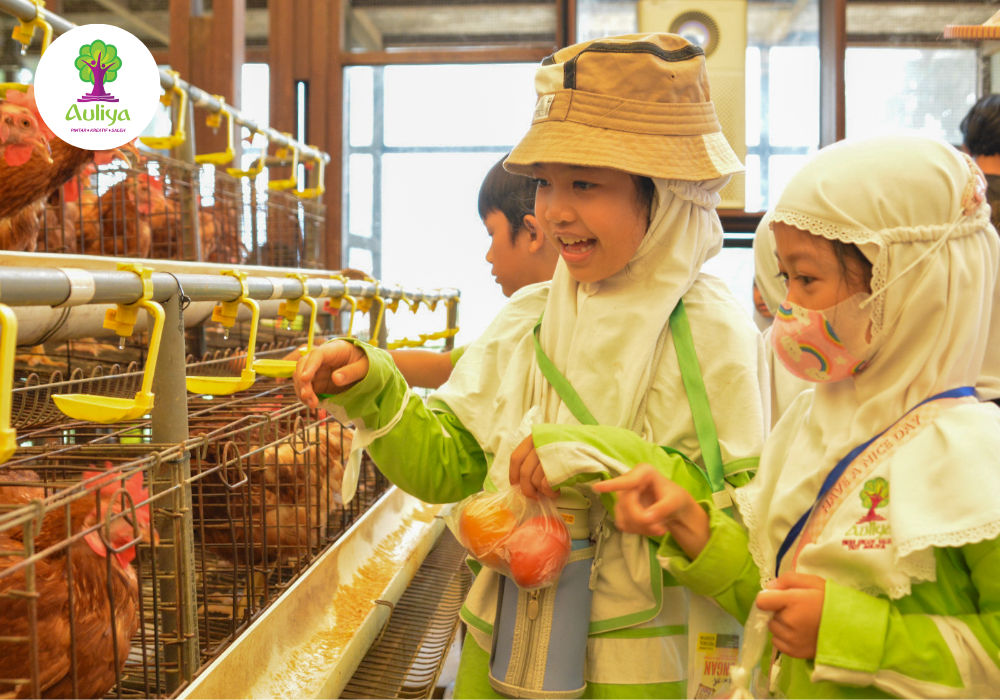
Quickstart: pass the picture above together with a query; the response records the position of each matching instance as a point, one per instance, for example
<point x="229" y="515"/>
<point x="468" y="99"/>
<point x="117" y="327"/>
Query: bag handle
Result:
<point x="694" y="387"/>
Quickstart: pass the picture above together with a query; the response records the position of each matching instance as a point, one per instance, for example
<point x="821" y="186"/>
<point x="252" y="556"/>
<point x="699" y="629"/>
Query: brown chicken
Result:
<point x="96" y="667"/>
<point x="277" y="507"/>
<point x="24" y="184"/>
<point x="21" y="132"/>
<point x="124" y="223"/>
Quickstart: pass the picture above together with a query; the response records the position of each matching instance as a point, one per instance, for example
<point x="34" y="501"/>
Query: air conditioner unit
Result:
<point x="720" y="28"/>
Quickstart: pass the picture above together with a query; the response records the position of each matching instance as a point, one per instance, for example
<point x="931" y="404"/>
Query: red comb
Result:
<point x="112" y="482"/>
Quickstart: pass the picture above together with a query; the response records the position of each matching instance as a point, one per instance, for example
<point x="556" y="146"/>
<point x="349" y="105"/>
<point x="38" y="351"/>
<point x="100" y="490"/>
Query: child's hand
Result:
<point x="797" y="603"/>
<point x="526" y="469"/>
<point x="650" y="504"/>
<point x="329" y="369"/>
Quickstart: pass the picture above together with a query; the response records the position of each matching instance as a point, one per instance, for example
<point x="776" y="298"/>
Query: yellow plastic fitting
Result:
<point x="292" y="182"/>
<point x="24" y="31"/>
<point x="225" y="313"/>
<point x="365" y="306"/>
<point x="214" y="120"/>
<point x="256" y="168"/>
<point x="8" y="345"/>
<point x="108" y="409"/>
<point x="350" y="300"/>
<point x="288" y="311"/>
<point x="320" y="188"/>
<point x="180" y="135"/>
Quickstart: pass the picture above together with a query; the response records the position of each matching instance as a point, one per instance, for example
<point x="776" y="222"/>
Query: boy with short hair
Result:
<point x="518" y="253"/>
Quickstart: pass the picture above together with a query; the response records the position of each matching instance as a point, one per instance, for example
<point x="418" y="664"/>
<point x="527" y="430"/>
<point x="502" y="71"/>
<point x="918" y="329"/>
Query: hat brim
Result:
<point x="693" y="158"/>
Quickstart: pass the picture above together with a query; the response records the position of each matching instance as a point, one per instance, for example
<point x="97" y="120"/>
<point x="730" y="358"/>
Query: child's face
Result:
<point x="590" y="216"/>
<point x="811" y="271"/>
<point x="508" y="260"/>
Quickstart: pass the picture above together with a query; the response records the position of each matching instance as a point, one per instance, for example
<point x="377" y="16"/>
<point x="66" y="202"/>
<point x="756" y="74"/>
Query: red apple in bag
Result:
<point x="537" y="551"/>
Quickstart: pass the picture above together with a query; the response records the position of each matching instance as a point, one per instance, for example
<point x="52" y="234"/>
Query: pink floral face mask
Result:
<point x="822" y="346"/>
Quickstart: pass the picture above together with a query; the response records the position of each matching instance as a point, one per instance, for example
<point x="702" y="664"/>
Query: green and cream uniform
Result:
<point x="906" y="536"/>
<point x="613" y="342"/>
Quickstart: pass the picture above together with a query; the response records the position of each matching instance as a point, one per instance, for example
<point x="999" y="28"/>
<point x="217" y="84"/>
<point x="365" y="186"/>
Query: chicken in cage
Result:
<point x="26" y="184"/>
<point x="69" y="573"/>
<point x="290" y="462"/>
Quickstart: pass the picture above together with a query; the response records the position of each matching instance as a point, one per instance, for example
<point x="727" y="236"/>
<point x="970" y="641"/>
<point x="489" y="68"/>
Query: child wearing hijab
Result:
<point x="629" y="159"/>
<point x="769" y="291"/>
<point x="873" y="519"/>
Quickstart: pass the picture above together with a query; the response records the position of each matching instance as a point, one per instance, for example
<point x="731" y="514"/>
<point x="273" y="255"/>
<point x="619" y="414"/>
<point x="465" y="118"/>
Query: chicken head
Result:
<point x="123" y="530"/>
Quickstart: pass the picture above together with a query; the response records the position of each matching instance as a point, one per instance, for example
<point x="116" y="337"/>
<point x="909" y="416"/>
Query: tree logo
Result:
<point x="874" y="495"/>
<point x="99" y="64"/>
<point x="97" y="87"/>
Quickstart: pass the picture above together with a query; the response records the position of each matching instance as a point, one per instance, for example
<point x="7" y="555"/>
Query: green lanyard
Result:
<point x="694" y="386"/>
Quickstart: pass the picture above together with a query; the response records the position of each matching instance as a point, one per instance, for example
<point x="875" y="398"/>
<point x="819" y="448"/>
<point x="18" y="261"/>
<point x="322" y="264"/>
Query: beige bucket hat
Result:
<point x="639" y="103"/>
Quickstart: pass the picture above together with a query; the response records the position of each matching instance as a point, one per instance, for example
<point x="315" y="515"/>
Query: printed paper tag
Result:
<point x="543" y="106"/>
<point x="716" y="654"/>
<point x="568" y="518"/>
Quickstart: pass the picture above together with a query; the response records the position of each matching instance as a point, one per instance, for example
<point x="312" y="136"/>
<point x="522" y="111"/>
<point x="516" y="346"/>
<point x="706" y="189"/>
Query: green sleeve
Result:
<point x="457" y="353"/>
<point x="896" y="646"/>
<point x="575" y="453"/>
<point x="427" y="453"/>
<point x="724" y="570"/>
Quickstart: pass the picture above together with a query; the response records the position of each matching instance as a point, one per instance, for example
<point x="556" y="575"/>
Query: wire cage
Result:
<point x="90" y="541"/>
<point x="222" y="539"/>
<point x="148" y="211"/>
<point x="292" y="234"/>
<point x="124" y="210"/>
<point x="31" y="400"/>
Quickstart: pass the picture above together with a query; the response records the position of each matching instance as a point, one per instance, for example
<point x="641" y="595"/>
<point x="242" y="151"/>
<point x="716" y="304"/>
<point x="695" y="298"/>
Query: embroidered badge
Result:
<point x="871" y="531"/>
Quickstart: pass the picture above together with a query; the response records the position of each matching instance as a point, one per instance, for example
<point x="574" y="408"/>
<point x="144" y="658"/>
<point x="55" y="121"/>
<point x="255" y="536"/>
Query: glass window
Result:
<point x="426" y="135"/>
<point x="909" y="90"/>
<point x="458" y="105"/>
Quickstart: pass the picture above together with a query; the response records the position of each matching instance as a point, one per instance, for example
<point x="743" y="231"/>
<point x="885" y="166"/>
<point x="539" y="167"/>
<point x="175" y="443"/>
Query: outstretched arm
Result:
<point x="427" y="453"/>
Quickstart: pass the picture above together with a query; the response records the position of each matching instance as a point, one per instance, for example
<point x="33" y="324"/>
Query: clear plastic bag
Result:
<point x="754" y="641"/>
<point x="523" y="539"/>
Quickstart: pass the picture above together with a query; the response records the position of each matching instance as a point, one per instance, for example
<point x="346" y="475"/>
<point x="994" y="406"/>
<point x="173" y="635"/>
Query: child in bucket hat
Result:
<point x="662" y="363"/>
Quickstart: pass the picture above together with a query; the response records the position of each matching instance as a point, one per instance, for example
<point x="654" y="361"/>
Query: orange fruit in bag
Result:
<point x="538" y="551"/>
<point x="483" y="526"/>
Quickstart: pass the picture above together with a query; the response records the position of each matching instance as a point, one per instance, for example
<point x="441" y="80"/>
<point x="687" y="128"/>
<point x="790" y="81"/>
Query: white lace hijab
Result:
<point x="911" y="206"/>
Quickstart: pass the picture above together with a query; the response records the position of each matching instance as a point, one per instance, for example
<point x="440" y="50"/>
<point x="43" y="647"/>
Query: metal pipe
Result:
<point x="175" y="556"/>
<point x="27" y="11"/>
<point x="53" y="287"/>
<point x="191" y="234"/>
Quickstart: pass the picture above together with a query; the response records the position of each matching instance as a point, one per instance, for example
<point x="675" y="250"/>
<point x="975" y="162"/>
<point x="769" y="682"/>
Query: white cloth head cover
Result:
<point x="901" y="200"/>
<point x="604" y="338"/>
<point x="765" y="266"/>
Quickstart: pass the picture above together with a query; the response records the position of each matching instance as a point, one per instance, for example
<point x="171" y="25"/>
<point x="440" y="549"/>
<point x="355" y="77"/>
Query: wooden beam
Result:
<point x="739" y="221"/>
<point x="389" y="58"/>
<point x="179" y="53"/>
<point x="334" y="136"/>
<point x="257" y="54"/>
<point x="283" y="46"/>
<point x="133" y="21"/>
<point x="832" y="52"/>
<point x="570" y="22"/>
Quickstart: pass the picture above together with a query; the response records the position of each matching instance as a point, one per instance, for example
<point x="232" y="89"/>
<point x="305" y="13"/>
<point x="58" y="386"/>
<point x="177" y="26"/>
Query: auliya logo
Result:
<point x="98" y="64"/>
<point x="97" y="87"/>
